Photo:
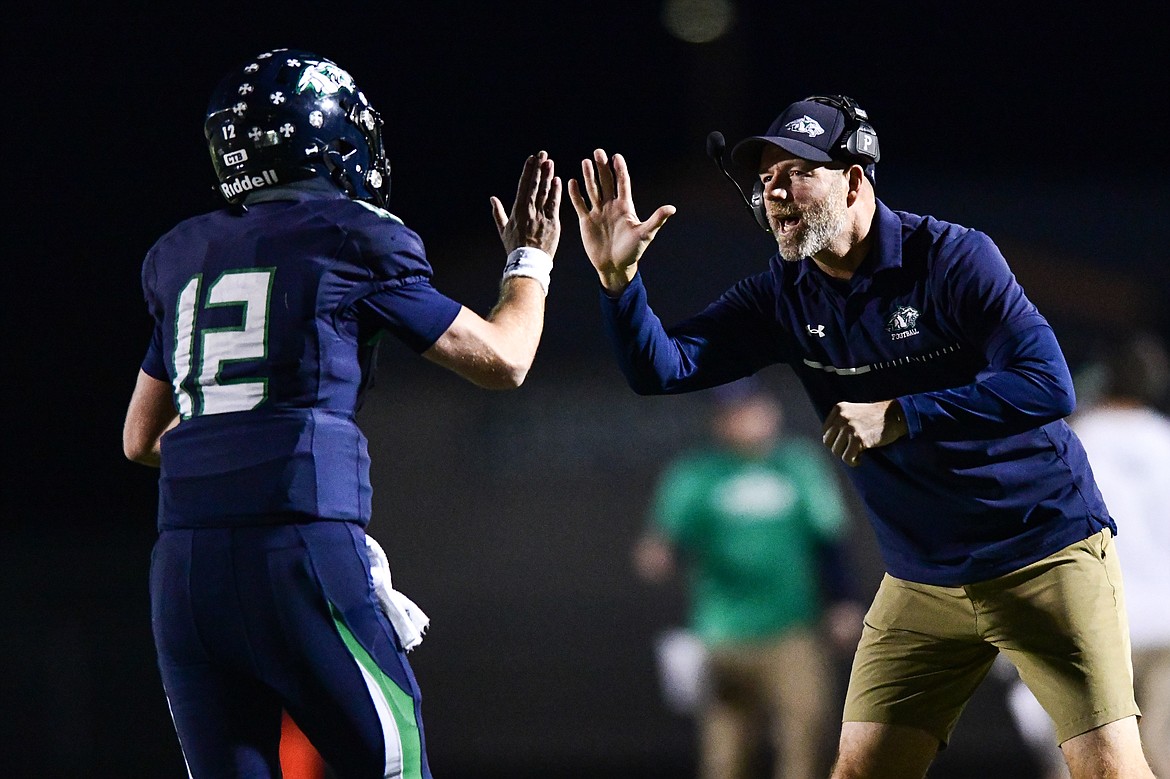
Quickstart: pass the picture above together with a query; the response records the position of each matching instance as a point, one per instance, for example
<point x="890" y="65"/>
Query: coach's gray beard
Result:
<point x="820" y="223"/>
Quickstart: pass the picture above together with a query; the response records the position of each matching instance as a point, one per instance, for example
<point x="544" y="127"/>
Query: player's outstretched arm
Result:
<point x="497" y="352"/>
<point x="613" y="236"/>
<point x="151" y="413"/>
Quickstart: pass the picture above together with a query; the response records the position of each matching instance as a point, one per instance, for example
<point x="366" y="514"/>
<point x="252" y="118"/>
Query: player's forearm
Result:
<point x="496" y="352"/>
<point x="147" y="449"/>
<point x="518" y="322"/>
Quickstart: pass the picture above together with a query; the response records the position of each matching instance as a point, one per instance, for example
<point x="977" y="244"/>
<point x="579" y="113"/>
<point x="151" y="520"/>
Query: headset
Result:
<point x="861" y="144"/>
<point x="858" y="143"/>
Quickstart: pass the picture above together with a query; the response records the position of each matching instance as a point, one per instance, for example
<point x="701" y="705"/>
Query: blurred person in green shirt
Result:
<point x="758" y="522"/>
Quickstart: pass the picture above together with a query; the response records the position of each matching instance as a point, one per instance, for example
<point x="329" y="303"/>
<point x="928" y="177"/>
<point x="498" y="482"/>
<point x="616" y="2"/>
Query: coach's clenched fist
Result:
<point x="851" y="428"/>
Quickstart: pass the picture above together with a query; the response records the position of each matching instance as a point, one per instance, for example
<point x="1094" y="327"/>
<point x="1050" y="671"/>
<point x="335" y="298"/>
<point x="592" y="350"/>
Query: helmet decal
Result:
<point x="324" y="78"/>
<point x="279" y="119"/>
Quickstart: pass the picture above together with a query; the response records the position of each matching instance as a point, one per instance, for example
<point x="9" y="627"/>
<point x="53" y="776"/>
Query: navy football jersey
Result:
<point x="266" y="321"/>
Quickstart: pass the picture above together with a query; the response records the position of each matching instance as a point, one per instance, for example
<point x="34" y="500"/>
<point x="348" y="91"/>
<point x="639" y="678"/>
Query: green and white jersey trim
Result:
<point x="379" y="211"/>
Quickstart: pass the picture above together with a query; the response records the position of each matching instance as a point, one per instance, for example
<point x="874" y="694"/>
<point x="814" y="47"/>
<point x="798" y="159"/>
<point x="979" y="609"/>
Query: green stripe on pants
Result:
<point x="399" y="702"/>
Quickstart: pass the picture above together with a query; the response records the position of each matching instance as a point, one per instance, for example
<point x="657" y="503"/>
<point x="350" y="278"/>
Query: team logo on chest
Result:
<point x="902" y="323"/>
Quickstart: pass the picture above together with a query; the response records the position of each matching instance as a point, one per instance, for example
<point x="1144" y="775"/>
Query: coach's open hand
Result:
<point x="851" y="428"/>
<point x="535" y="219"/>
<point x="613" y="236"/>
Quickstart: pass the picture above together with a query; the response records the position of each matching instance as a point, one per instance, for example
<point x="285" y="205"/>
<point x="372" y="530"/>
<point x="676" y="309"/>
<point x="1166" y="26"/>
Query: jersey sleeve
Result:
<point x="400" y="298"/>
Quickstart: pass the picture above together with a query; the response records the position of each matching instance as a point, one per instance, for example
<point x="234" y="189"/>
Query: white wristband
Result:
<point x="530" y="262"/>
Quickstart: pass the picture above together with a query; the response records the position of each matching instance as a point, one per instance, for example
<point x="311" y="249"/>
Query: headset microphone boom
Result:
<point x="715" y="147"/>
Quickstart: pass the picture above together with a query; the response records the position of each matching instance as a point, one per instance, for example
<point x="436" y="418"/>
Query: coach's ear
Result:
<point x="857" y="182"/>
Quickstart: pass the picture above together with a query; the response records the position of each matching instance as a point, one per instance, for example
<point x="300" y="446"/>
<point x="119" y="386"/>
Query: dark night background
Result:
<point x="509" y="516"/>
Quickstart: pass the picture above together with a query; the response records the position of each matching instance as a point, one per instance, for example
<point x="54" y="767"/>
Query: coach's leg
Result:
<point x="919" y="661"/>
<point x="875" y="750"/>
<point x="1062" y="622"/>
<point x="1112" y="751"/>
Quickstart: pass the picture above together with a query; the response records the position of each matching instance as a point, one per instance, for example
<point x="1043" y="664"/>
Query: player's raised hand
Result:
<point x="535" y="219"/>
<point x="613" y="236"/>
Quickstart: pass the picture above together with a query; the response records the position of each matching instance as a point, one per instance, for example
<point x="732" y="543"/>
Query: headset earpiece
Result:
<point x="862" y="141"/>
<point x="759" y="210"/>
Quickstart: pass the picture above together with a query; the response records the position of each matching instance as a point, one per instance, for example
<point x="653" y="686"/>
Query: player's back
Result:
<point x="260" y="338"/>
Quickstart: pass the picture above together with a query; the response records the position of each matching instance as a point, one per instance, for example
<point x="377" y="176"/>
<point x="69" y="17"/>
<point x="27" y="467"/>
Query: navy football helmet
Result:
<point x="291" y="115"/>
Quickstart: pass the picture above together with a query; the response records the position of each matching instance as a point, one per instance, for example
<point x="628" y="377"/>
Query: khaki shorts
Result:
<point x="1061" y="621"/>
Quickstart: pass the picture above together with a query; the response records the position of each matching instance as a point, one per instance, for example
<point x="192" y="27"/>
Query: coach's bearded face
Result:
<point x="819" y="221"/>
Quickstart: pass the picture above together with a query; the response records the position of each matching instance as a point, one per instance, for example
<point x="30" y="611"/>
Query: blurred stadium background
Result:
<point x="508" y="517"/>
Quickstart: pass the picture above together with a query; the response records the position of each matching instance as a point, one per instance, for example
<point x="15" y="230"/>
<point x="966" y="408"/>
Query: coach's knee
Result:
<point x="875" y="750"/>
<point x="1112" y="751"/>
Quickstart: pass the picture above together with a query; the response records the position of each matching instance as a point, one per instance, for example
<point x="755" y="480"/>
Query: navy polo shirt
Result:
<point x="990" y="478"/>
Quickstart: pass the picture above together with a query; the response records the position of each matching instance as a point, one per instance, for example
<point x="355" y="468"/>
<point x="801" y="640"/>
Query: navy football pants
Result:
<point x="251" y="620"/>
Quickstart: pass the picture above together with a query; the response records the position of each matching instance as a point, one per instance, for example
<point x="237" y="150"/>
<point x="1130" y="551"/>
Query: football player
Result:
<point x="265" y="592"/>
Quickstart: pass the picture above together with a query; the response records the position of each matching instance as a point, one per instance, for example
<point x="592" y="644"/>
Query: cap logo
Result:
<point x="806" y="125"/>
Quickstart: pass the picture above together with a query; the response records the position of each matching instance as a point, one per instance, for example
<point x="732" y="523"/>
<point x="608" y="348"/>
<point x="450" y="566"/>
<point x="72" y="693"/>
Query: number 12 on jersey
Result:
<point x="210" y="392"/>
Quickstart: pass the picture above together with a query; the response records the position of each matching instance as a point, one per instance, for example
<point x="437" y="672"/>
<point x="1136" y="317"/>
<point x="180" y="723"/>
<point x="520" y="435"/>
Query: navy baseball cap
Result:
<point x="809" y="129"/>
